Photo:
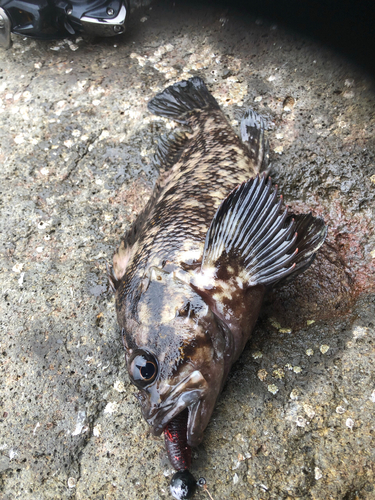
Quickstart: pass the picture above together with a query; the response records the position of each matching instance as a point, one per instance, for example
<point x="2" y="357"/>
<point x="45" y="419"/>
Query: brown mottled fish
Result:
<point x="191" y="274"/>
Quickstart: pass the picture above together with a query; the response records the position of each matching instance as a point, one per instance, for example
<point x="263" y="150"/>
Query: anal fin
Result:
<point x="253" y="135"/>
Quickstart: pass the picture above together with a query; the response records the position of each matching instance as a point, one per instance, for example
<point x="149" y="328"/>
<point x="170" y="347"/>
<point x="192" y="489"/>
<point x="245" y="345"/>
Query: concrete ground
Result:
<point x="296" y="418"/>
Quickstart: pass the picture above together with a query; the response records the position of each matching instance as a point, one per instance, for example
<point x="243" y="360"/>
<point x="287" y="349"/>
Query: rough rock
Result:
<point x="296" y="418"/>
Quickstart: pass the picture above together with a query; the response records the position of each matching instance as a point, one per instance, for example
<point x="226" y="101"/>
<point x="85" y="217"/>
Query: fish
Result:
<point x="191" y="274"/>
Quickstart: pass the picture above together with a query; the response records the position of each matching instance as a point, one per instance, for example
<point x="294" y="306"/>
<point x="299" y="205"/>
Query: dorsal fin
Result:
<point x="252" y="232"/>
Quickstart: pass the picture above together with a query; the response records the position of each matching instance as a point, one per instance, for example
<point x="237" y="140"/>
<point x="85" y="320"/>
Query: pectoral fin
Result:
<point x="254" y="240"/>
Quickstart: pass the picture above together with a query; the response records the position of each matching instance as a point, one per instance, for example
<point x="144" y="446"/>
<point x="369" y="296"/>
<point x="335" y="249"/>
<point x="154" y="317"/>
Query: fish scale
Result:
<point x="173" y="222"/>
<point x="191" y="274"/>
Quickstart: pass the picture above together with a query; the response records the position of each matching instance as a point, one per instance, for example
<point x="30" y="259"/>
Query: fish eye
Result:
<point x="143" y="368"/>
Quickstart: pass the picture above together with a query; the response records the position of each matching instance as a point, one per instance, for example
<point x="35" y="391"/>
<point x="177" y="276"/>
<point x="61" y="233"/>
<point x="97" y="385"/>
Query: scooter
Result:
<point x="55" y="19"/>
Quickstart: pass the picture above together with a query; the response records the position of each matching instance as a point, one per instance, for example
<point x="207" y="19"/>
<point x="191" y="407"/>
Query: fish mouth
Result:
<point x="189" y="393"/>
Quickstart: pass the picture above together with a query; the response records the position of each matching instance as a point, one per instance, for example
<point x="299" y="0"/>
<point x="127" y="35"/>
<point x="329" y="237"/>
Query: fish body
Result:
<point x="191" y="274"/>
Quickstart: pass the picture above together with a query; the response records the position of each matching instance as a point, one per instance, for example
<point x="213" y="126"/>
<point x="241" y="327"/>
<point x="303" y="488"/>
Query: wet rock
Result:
<point x="296" y="416"/>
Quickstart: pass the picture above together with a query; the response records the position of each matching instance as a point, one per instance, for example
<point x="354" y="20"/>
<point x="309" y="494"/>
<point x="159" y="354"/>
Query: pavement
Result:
<point x="296" y="417"/>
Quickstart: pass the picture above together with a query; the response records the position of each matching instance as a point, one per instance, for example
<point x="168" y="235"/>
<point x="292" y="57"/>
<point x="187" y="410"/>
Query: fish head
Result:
<point x="176" y="355"/>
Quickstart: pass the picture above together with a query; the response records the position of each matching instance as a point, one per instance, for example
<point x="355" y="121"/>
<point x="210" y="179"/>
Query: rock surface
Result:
<point x="296" y="418"/>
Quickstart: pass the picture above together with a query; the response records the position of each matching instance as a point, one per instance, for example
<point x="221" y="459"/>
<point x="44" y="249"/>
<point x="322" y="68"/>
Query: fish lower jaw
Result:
<point x="189" y="394"/>
<point x="159" y="427"/>
<point x="194" y="434"/>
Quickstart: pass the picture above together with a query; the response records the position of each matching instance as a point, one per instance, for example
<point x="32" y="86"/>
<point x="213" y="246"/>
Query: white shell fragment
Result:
<point x="301" y="422"/>
<point x="349" y="423"/>
<point x="324" y="348"/>
<point x="360" y="332"/>
<point x="318" y="473"/>
<point x="119" y="386"/>
<point x="17" y="268"/>
<point x="294" y="394"/>
<point x="81" y="416"/>
<point x="279" y="373"/>
<point x="309" y="411"/>
<point x="273" y="389"/>
<point x="111" y="407"/>
<point x="285" y="330"/>
<point x="274" y="323"/>
<point x="72" y="482"/>
<point x="262" y="374"/>
<point x="97" y="430"/>
<point x="20" y="279"/>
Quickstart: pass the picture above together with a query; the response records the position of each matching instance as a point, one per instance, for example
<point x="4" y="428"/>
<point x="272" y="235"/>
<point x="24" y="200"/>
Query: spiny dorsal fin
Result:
<point x="112" y="278"/>
<point x="121" y="258"/>
<point x="252" y="134"/>
<point x="182" y="98"/>
<point x="251" y="230"/>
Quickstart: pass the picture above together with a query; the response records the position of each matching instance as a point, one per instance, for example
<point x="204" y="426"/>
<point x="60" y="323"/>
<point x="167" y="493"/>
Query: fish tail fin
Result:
<point x="253" y="136"/>
<point x="183" y="98"/>
<point x="255" y="239"/>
